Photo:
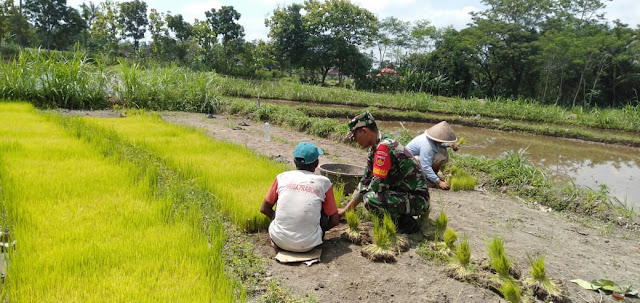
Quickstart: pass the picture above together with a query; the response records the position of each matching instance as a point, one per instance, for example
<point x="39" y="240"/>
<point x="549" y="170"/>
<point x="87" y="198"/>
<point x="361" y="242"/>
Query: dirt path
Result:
<point x="586" y="251"/>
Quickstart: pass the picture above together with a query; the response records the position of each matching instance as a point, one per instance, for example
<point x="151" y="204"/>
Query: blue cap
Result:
<point x="306" y="153"/>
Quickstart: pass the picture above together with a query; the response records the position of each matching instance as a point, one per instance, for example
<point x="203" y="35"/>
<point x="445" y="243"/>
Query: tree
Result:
<point x="89" y="13"/>
<point x="398" y="34"/>
<point x="288" y="35"/>
<point x="48" y="18"/>
<point x="17" y="25"/>
<point x="335" y="28"/>
<point x="5" y="8"/>
<point x="106" y="28"/>
<point x="180" y="28"/>
<point x="158" y="29"/>
<point x="224" y="22"/>
<point x="133" y="18"/>
<point x="206" y="40"/>
<point x="71" y="32"/>
<point x="423" y="36"/>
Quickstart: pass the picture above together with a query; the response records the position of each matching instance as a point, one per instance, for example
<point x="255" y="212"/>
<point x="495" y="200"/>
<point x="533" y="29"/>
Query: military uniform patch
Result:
<point x="382" y="162"/>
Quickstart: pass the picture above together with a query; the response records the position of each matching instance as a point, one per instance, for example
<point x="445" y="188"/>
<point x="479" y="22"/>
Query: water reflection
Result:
<point x="586" y="164"/>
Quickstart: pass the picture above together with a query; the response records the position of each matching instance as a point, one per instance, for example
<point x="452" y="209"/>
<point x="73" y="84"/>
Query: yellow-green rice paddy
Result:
<point x="238" y="177"/>
<point x="90" y="229"/>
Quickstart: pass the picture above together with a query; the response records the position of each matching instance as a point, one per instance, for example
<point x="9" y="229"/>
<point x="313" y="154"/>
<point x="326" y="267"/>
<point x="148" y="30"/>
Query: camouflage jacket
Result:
<point x="391" y="167"/>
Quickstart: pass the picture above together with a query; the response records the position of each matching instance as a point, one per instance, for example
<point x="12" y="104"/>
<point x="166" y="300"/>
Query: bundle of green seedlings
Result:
<point x="399" y="243"/>
<point x="510" y="291"/>
<point x="438" y="250"/>
<point x="354" y="233"/>
<point x="543" y="287"/>
<point x="499" y="261"/>
<point x="460" y="179"/>
<point x="461" y="265"/>
<point x="507" y="275"/>
<point x="381" y="250"/>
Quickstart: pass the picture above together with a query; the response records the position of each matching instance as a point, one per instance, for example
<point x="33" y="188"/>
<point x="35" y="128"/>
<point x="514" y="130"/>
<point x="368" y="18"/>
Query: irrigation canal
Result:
<point x="585" y="163"/>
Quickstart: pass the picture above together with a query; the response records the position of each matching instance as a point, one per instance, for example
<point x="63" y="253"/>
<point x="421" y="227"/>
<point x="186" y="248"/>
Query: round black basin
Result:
<point x="347" y="174"/>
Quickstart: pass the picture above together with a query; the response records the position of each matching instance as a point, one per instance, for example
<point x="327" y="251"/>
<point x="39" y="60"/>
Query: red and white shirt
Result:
<point x="300" y="195"/>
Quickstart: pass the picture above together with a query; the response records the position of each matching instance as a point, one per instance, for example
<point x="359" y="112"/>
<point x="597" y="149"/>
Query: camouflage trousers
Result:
<point x="397" y="203"/>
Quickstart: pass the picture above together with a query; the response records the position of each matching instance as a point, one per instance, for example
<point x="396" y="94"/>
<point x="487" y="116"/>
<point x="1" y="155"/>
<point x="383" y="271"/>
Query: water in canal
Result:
<point x="587" y="164"/>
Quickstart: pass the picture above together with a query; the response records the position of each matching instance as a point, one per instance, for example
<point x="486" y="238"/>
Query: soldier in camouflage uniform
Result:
<point x="393" y="181"/>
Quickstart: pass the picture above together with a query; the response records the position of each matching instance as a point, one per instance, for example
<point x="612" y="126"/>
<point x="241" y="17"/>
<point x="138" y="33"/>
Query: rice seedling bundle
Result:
<point x="354" y="233"/>
<point x="238" y="177"/>
<point x="441" y="226"/>
<point x="88" y="230"/>
<point x="398" y="243"/>
<point x="450" y="236"/>
<point x="338" y="193"/>
<point x="510" y="291"/>
<point x="380" y="250"/>
<point x="543" y="287"/>
<point x="499" y="261"/>
<point x="462" y="265"/>
<point x="460" y="180"/>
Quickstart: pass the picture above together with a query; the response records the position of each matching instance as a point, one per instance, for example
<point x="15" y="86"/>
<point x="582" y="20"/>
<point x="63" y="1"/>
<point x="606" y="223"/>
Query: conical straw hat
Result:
<point x="441" y="132"/>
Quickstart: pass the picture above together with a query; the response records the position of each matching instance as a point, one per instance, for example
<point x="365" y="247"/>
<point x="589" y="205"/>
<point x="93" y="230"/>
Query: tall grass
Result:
<point x="92" y="229"/>
<point x="55" y="81"/>
<point x="238" y="177"/>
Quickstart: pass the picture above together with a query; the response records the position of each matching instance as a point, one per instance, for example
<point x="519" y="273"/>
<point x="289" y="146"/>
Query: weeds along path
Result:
<point x="92" y="228"/>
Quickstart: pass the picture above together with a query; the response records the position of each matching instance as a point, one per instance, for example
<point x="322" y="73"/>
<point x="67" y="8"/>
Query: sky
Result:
<point x="440" y="13"/>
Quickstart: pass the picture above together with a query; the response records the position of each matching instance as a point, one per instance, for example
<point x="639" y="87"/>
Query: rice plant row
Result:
<point x="91" y="229"/>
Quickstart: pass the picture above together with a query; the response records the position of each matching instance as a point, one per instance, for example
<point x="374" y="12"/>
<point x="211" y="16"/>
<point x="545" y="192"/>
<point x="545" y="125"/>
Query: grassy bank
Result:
<point x="555" y="130"/>
<point x="82" y="238"/>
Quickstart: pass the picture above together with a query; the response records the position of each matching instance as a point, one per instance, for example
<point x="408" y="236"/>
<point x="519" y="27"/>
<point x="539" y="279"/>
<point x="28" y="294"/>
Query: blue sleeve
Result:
<point x="426" y="160"/>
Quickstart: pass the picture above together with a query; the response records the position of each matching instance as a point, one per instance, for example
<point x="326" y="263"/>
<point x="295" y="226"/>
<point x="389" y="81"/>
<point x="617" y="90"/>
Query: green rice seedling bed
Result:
<point x="92" y="229"/>
<point x="238" y="177"/>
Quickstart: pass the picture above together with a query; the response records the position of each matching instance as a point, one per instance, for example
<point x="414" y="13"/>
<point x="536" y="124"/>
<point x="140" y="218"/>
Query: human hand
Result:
<point x="342" y="211"/>
<point x="442" y="185"/>
<point x="455" y="146"/>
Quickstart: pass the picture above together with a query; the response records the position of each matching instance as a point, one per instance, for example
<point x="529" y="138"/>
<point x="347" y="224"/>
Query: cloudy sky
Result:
<point x="440" y="13"/>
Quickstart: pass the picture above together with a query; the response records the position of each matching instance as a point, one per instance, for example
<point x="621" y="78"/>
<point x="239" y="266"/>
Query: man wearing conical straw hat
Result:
<point x="430" y="149"/>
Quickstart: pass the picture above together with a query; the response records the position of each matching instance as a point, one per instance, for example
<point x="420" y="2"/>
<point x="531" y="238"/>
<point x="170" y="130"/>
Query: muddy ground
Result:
<point x="574" y="248"/>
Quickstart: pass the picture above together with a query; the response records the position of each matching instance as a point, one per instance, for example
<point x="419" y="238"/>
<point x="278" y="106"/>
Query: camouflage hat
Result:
<point x="364" y="119"/>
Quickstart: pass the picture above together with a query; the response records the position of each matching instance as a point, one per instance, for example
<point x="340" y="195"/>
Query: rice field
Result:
<point x="238" y="177"/>
<point x="91" y="227"/>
